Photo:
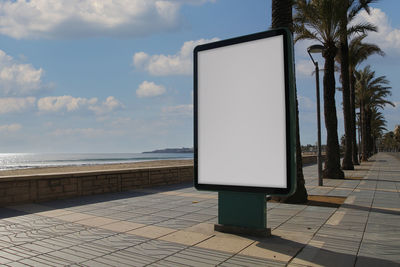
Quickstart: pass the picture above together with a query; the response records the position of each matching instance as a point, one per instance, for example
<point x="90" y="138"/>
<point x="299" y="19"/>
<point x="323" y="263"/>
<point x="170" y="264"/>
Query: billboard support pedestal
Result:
<point x="242" y="213"/>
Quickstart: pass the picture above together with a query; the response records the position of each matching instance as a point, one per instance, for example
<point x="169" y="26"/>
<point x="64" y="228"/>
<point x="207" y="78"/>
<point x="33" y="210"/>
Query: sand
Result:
<point x="67" y="169"/>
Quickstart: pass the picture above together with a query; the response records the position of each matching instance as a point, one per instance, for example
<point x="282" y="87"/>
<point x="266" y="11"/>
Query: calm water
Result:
<point x="10" y="161"/>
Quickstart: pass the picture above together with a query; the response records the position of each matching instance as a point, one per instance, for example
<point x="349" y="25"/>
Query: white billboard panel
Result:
<point x="241" y="114"/>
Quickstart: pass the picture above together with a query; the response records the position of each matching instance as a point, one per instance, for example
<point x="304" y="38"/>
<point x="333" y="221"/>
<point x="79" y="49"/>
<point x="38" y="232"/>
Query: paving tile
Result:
<point x="13" y="228"/>
<point x="65" y="229"/>
<point x="32" y="262"/>
<point x="239" y="260"/>
<point x="8" y="255"/>
<point x="125" y="258"/>
<point x="381" y="251"/>
<point x="122" y="226"/>
<point x="74" y="217"/>
<point x="158" y="249"/>
<point x="192" y="209"/>
<point x="22" y="238"/>
<point x="226" y="243"/>
<point x="202" y="228"/>
<point x="314" y="255"/>
<point x="295" y="236"/>
<point x="68" y="255"/>
<point x="120" y="241"/>
<point x="147" y="219"/>
<point x="185" y="238"/>
<point x="97" y="221"/>
<point x="97" y="263"/>
<point x="170" y="213"/>
<point x="274" y="248"/>
<point x="197" y="217"/>
<point x="93" y="249"/>
<point x="35" y="248"/>
<point x="164" y="263"/>
<point x="60" y="242"/>
<point x="46" y="260"/>
<point x="152" y="231"/>
<point x="54" y="212"/>
<point x="200" y="257"/>
<point x="367" y="261"/>
<point x="177" y="224"/>
<point x="15" y="264"/>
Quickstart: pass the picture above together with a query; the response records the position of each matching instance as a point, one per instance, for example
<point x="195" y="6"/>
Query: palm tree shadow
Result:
<point x="305" y="254"/>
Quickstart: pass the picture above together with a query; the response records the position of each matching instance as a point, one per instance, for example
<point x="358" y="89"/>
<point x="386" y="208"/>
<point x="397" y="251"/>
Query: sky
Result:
<point x="116" y="76"/>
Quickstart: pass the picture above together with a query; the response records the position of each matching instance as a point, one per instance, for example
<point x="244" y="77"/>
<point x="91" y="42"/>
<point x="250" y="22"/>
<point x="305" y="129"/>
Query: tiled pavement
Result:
<point x="173" y="226"/>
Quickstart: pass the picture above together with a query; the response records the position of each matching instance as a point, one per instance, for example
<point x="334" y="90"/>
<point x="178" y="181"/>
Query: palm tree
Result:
<point x="282" y="17"/>
<point x="349" y="9"/>
<point x="371" y="93"/>
<point x="378" y="126"/>
<point x="320" y="21"/>
<point x="358" y="52"/>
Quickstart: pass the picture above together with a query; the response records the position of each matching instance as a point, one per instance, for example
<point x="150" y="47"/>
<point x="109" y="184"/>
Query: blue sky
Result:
<point x="102" y="76"/>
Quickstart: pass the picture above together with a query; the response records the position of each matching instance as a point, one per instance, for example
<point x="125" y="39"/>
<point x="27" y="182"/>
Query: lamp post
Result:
<point x="317" y="49"/>
<point x="359" y="135"/>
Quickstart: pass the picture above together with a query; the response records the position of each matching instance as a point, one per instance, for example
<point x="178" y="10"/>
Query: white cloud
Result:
<point x="107" y="106"/>
<point x="161" y="65"/>
<point x="69" y="104"/>
<point x="66" y="102"/>
<point x="185" y="110"/>
<point x="150" y="89"/>
<point x="387" y="37"/>
<point x="13" y="104"/>
<point x="18" y="79"/>
<point x="10" y="128"/>
<point x="304" y="68"/>
<point x="81" y="18"/>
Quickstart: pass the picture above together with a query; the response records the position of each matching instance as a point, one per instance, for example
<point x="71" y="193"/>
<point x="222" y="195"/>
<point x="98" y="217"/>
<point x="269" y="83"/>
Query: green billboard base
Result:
<point x="242" y="213"/>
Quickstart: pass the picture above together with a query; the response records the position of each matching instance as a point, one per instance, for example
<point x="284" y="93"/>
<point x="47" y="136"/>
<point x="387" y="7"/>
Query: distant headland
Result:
<point x="171" y="150"/>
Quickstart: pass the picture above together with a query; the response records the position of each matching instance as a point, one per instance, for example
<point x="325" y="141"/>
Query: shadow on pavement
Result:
<point x="305" y="254"/>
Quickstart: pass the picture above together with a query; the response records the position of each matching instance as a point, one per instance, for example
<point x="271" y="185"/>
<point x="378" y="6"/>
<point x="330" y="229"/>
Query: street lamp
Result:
<point x="359" y="135"/>
<point x="317" y="49"/>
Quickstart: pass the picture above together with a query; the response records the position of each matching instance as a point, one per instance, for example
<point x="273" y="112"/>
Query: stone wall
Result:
<point x="37" y="188"/>
<point x="311" y="159"/>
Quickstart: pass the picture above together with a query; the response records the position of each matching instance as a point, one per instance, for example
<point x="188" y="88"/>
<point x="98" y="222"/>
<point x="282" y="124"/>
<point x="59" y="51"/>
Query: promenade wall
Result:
<point x="43" y="187"/>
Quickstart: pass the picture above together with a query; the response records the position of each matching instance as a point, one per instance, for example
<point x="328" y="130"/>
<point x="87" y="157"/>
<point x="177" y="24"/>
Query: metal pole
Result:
<point x="319" y="157"/>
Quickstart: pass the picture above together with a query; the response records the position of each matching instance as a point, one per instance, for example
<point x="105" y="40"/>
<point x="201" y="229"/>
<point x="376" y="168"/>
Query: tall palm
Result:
<point x="349" y="9"/>
<point x="378" y="126"/>
<point x="282" y="17"/>
<point x="371" y="93"/>
<point x="358" y="52"/>
<point x="320" y="21"/>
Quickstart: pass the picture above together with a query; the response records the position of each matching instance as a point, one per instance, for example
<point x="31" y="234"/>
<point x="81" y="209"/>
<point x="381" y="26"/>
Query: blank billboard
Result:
<point x="243" y="124"/>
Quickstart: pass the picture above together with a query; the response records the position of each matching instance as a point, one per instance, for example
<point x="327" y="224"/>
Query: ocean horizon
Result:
<point x="15" y="161"/>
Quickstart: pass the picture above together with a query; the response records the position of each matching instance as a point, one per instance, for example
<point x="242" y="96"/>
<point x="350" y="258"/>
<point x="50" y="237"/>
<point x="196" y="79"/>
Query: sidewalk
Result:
<point x="173" y="226"/>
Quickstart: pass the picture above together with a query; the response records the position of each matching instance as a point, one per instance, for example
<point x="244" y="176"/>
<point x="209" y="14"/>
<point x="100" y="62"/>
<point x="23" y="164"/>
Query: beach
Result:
<point x="97" y="167"/>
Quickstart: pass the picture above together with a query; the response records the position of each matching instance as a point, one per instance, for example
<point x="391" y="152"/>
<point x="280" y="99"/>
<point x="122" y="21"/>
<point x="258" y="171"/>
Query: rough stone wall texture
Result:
<point x="37" y="188"/>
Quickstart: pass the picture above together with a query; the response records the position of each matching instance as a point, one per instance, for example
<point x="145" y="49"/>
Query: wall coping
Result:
<point x="39" y="176"/>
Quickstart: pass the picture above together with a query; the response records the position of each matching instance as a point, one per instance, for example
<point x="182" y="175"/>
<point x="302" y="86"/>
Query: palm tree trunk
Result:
<point x="364" y="156"/>
<point x="368" y="117"/>
<point x="332" y="163"/>
<point x="282" y="17"/>
<point x="344" y="67"/>
<point x="353" y="118"/>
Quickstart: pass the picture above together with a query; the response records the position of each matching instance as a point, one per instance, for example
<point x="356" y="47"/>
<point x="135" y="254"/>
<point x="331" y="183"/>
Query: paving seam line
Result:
<point x="366" y="223"/>
<point x="180" y="249"/>
<point x="316" y="232"/>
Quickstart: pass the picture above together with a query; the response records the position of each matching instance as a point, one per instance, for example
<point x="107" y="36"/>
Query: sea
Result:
<point x="14" y="161"/>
